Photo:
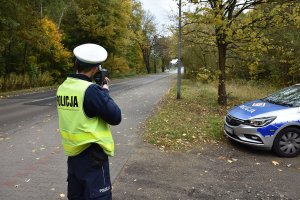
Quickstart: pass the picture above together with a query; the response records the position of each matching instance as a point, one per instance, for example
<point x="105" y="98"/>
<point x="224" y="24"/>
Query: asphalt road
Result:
<point x="32" y="162"/>
<point x="19" y="109"/>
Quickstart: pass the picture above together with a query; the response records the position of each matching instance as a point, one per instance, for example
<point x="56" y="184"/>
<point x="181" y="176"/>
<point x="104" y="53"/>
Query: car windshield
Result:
<point x="287" y="97"/>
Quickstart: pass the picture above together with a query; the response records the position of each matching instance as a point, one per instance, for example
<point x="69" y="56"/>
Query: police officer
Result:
<point x="85" y="111"/>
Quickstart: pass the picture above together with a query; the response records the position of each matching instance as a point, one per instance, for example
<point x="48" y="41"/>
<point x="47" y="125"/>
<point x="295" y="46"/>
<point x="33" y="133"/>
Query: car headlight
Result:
<point x="259" y="122"/>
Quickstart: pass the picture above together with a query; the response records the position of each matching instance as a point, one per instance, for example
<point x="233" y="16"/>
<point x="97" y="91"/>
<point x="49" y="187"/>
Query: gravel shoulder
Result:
<point x="214" y="171"/>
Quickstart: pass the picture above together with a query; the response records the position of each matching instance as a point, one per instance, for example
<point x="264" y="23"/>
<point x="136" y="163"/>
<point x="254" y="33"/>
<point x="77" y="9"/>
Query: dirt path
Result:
<point x="216" y="171"/>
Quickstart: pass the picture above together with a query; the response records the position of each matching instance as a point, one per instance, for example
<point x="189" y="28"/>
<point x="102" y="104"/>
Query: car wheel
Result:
<point x="287" y="142"/>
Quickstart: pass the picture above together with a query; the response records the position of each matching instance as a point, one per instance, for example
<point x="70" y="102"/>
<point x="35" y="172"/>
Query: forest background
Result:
<point x="222" y="40"/>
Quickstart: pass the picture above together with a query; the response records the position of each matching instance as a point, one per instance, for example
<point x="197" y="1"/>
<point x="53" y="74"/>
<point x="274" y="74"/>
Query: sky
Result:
<point x="161" y="10"/>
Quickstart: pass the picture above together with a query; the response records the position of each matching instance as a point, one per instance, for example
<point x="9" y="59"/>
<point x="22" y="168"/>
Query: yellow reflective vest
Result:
<point x="77" y="130"/>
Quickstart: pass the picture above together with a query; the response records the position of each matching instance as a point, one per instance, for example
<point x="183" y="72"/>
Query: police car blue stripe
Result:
<point x="270" y="130"/>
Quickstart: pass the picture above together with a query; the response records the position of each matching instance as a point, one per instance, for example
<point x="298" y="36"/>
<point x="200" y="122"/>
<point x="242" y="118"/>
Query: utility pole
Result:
<point x="179" y="53"/>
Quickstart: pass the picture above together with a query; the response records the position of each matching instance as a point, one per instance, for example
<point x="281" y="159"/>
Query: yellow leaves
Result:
<point x="203" y="75"/>
<point x="52" y="41"/>
<point x="51" y="30"/>
<point x="254" y="68"/>
<point x="218" y="22"/>
<point x="239" y="33"/>
<point x="118" y="64"/>
<point x="229" y="32"/>
<point x="296" y="16"/>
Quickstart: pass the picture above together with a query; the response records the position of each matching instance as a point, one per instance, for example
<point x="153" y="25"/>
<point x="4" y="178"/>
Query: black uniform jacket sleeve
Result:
<point x="98" y="103"/>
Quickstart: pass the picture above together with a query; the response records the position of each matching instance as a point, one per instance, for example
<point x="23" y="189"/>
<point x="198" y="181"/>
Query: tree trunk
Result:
<point x="146" y="56"/>
<point x="113" y="64"/>
<point x="25" y="56"/>
<point x="61" y="17"/>
<point x="163" y="65"/>
<point x="148" y="61"/>
<point x="155" y="65"/>
<point x="222" y="97"/>
<point x="41" y="9"/>
<point x="8" y="58"/>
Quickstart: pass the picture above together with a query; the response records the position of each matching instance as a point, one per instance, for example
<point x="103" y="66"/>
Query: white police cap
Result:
<point x="90" y="53"/>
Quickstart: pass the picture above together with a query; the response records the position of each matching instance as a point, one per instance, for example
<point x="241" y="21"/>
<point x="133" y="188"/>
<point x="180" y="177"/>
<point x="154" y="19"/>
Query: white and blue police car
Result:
<point x="269" y="123"/>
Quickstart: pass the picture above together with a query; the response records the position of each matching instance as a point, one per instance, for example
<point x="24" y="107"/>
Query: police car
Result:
<point x="269" y="123"/>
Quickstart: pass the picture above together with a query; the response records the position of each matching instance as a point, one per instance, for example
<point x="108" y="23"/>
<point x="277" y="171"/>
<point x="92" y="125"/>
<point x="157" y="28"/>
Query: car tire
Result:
<point x="287" y="142"/>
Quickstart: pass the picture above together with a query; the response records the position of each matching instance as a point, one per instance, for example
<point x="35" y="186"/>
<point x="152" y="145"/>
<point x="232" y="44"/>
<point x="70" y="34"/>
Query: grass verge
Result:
<point x="196" y="118"/>
<point x="26" y="91"/>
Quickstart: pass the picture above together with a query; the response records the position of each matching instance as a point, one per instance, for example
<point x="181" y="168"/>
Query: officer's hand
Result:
<point x="105" y="83"/>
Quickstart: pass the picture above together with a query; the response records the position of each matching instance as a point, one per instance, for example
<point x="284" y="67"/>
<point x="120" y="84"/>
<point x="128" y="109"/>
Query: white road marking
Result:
<point x="42" y="99"/>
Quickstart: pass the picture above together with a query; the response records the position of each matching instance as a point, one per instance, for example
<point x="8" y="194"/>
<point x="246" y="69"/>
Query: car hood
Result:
<point x="253" y="108"/>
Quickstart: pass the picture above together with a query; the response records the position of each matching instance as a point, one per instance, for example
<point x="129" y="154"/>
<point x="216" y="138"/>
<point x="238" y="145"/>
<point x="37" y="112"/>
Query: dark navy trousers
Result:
<point x="88" y="175"/>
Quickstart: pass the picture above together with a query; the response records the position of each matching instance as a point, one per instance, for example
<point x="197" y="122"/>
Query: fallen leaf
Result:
<point x="275" y="162"/>
<point x="221" y="158"/>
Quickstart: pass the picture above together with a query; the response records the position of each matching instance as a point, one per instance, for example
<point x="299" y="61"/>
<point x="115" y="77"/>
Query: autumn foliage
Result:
<point x="37" y="38"/>
<point x="253" y="40"/>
